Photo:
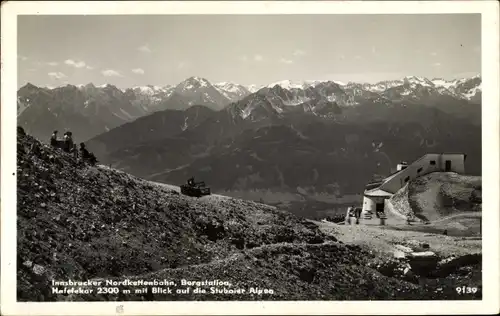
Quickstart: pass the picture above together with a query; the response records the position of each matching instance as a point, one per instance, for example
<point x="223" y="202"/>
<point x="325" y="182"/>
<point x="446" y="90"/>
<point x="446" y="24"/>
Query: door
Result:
<point x="447" y="167"/>
<point x="379" y="209"/>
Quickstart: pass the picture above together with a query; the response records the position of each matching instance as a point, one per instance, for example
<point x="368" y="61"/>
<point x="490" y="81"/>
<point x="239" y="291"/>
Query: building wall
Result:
<point x="369" y="204"/>
<point x="457" y="162"/>
<point x="422" y="167"/>
<point x="418" y="168"/>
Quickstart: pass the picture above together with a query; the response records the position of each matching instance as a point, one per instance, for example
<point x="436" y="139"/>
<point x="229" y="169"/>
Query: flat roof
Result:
<point x="392" y="175"/>
<point x="377" y="193"/>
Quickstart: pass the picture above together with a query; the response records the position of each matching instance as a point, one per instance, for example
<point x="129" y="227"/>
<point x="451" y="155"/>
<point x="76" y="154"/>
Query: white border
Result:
<point x="491" y="159"/>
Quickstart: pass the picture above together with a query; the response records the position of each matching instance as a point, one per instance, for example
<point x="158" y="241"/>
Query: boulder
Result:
<point x="423" y="254"/>
<point x="403" y="248"/>
<point x="423" y="263"/>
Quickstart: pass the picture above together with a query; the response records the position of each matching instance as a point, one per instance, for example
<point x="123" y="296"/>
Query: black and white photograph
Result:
<point x="176" y="156"/>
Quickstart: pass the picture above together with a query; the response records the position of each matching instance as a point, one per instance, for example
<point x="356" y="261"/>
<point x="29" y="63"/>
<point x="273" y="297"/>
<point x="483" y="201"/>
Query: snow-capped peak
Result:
<point x="231" y="91"/>
<point x="439" y="82"/>
<point x="418" y="80"/>
<point x="201" y="81"/>
<point x="193" y="83"/>
<point x="340" y="83"/>
<point x="229" y="87"/>
<point x="253" y="88"/>
<point x="291" y="84"/>
<point x="287" y="84"/>
<point x="106" y="85"/>
<point x="150" y="89"/>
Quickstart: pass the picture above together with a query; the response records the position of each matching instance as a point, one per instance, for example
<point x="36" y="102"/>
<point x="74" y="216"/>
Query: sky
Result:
<point x="137" y="50"/>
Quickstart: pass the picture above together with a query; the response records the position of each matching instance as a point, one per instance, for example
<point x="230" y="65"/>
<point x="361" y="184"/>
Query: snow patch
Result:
<point x="443" y="83"/>
<point x="185" y="126"/>
<point x="291" y="84"/>
<point x="126" y="113"/>
<point x="224" y="87"/>
<point x="406" y="92"/>
<point x="276" y="108"/>
<point x="419" y="80"/>
<point x="472" y="92"/>
<point x="295" y="101"/>
<point x="253" y="88"/>
<point x="383" y="85"/>
<point x="246" y="112"/>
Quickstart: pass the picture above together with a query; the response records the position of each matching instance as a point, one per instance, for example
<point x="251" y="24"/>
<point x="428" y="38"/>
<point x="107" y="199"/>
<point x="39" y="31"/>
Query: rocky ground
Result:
<point x="434" y="261"/>
<point x="82" y="222"/>
<point x="439" y="195"/>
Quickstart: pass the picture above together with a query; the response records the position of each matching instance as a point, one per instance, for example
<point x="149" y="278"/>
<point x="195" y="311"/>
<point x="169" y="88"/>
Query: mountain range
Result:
<point x="89" y="110"/>
<point x="308" y="148"/>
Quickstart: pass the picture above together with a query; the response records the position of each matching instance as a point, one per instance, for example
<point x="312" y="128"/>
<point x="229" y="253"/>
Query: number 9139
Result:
<point x="466" y="290"/>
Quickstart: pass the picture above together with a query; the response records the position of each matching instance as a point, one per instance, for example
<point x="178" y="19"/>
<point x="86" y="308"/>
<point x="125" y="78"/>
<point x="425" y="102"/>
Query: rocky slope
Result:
<point x="149" y="128"/>
<point x="438" y="196"/>
<point x="81" y="222"/>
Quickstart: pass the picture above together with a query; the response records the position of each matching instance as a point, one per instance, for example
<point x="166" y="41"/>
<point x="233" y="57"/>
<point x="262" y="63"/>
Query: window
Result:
<point x="419" y="170"/>
<point x="407" y="179"/>
<point x="432" y="162"/>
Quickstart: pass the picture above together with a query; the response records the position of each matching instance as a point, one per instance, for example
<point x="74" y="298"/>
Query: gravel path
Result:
<point x="382" y="240"/>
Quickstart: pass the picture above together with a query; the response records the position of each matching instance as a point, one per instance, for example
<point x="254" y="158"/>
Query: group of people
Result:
<point x="353" y="212"/>
<point x="68" y="146"/>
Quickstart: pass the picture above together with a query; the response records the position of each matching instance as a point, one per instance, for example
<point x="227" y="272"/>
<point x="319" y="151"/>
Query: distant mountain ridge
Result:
<point x="91" y="110"/>
<point x="464" y="87"/>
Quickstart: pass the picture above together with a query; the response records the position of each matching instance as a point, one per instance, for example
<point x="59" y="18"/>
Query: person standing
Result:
<point x="68" y="142"/>
<point x="53" y="139"/>
<point x="348" y="215"/>
<point x="357" y="212"/>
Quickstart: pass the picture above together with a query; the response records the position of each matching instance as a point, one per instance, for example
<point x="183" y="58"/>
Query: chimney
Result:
<point x="402" y="165"/>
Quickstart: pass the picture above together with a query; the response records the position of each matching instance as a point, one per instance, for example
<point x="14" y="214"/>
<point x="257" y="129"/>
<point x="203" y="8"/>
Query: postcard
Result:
<point x="234" y="157"/>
